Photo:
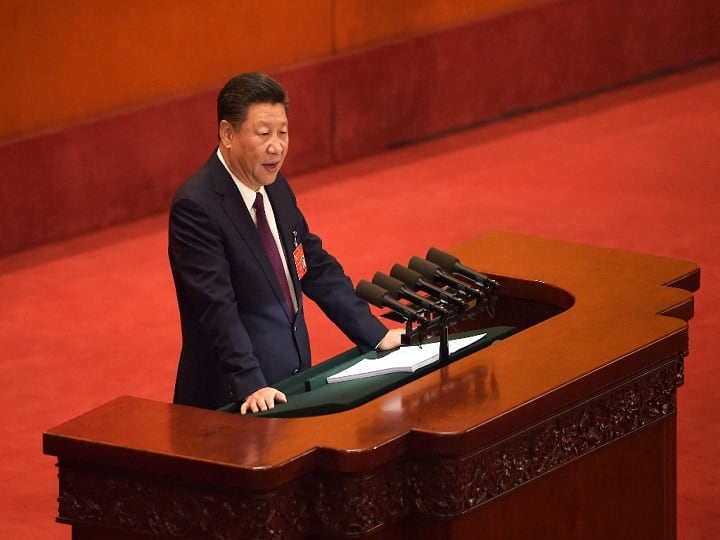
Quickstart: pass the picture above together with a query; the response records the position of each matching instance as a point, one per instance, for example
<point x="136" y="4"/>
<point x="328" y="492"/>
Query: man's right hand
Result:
<point x="262" y="400"/>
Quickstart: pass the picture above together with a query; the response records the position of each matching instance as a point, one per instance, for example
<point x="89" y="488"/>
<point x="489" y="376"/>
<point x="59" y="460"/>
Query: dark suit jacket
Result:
<point x="237" y="333"/>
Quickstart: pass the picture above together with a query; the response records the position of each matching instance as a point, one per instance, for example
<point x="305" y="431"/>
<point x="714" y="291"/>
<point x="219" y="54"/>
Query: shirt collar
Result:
<point x="248" y="194"/>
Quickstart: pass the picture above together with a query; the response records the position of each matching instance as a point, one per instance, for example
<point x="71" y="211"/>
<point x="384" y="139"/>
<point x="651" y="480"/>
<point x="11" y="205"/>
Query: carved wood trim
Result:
<point x="444" y="488"/>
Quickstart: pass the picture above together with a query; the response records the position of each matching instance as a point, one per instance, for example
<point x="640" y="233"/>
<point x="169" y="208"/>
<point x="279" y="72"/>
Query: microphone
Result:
<point x="379" y="297"/>
<point x="433" y="271"/>
<point x="416" y="281"/>
<point x="397" y="289"/>
<point x="450" y="263"/>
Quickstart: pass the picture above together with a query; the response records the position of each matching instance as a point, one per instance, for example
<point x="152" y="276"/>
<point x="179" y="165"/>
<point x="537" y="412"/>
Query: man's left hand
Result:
<point x="392" y="339"/>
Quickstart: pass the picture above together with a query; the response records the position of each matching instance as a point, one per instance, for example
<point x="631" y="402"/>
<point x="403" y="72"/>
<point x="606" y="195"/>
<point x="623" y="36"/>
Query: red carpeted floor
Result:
<point x="89" y="319"/>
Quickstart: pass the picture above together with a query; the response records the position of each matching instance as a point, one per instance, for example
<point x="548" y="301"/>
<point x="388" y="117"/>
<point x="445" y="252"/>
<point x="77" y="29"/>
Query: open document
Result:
<point x="405" y="359"/>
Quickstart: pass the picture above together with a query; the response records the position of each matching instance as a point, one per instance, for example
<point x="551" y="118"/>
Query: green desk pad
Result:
<point x="309" y="393"/>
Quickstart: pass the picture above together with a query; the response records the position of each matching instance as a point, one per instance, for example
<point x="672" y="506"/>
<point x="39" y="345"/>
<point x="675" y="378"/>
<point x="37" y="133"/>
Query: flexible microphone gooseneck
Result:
<point x="450" y="263"/>
<point x="416" y="281"/>
<point x="380" y="297"/>
<point x="398" y="289"/>
<point x="433" y="271"/>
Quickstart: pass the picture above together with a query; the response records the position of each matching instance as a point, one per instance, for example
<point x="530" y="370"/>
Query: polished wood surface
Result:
<point x="585" y="391"/>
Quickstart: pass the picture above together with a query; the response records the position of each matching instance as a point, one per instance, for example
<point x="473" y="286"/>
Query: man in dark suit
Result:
<point x="241" y="254"/>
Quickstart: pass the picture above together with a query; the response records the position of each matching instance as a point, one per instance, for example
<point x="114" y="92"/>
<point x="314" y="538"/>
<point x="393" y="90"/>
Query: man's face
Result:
<point x="256" y="149"/>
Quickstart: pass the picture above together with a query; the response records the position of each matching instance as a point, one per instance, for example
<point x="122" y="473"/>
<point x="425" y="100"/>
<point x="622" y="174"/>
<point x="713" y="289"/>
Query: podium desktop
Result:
<point x="564" y="429"/>
<point x="310" y="393"/>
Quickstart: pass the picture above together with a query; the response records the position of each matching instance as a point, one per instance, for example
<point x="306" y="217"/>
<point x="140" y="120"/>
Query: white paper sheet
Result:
<point x="406" y="359"/>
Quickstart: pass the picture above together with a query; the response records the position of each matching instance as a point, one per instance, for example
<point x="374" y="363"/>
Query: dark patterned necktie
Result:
<point x="271" y="247"/>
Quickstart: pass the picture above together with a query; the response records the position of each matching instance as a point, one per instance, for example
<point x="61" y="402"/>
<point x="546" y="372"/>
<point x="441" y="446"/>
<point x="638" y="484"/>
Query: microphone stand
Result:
<point x="440" y="326"/>
<point x="433" y="324"/>
<point x="444" y="345"/>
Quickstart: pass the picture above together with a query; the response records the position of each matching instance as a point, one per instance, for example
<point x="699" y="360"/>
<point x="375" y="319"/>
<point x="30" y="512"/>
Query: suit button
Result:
<point x="295" y="371"/>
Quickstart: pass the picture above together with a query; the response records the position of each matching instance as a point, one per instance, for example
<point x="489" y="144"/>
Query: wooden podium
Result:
<point x="566" y="429"/>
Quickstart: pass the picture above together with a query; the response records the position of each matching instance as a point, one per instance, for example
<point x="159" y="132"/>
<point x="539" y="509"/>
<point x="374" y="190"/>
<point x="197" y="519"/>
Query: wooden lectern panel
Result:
<point x="563" y="430"/>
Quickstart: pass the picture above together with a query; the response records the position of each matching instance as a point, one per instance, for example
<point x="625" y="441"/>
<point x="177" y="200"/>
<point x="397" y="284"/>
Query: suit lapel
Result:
<point x="234" y="206"/>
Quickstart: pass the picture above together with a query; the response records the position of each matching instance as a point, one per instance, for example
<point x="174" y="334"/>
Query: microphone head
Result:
<point x="426" y="268"/>
<point x="444" y="260"/>
<point x="407" y="276"/>
<point x="371" y="293"/>
<point x="390" y="284"/>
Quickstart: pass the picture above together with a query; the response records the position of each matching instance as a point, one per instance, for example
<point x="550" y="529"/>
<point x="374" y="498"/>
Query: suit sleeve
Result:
<point x="327" y="285"/>
<point x="202" y="276"/>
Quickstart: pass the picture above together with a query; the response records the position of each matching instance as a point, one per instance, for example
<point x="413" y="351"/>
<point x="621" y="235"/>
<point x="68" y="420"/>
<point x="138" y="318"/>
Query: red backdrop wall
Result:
<point x="73" y="60"/>
<point x="120" y="167"/>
